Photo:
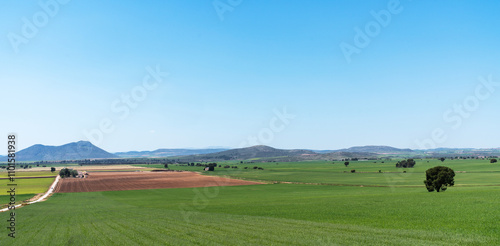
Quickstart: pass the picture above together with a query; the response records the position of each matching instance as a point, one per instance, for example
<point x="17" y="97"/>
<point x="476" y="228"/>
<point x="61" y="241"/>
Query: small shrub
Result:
<point x="353" y="171"/>
<point x="493" y="160"/>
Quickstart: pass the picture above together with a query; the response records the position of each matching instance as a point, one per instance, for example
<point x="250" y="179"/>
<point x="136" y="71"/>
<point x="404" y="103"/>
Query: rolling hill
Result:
<point x="166" y="153"/>
<point x="259" y="151"/>
<point x="376" y="149"/>
<point x="86" y="150"/>
<point x="71" y="151"/>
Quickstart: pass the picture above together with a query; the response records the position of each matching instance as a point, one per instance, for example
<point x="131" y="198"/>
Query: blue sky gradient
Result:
<point x="227" y="77"/>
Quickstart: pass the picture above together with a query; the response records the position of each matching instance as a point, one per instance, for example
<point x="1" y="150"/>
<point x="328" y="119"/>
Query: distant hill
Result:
<point x="259" y="151"/>
<point x="166" y="153"/>
<point x="72" y="151"/>
<point x="86" y="150"/>
<point x="321" y="151"/>
<point x="376" y="149"/>
<point x="343" y="155"/>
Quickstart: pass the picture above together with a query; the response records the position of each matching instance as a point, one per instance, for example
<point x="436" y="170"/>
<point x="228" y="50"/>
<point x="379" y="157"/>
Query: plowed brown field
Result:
<point x="107" y="181"/>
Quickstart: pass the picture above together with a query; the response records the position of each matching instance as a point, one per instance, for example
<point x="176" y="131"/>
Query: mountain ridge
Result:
<point x="379" y="149"/>
<point x="86" y="150"/>
<point x="167" y="152"/>
<point x="70" y="151"/>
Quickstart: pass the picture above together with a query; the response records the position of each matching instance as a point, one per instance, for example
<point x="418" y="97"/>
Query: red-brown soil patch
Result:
<point x="107" y="181"/>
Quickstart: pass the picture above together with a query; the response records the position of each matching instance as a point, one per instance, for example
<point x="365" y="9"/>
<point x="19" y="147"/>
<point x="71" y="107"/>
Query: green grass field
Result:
<point x="26" y="188"/>
<point x="4" y="174"/>
<point x="401" y="212"/>
<point x="29" y="186"/>
<point x="468" y="172"/>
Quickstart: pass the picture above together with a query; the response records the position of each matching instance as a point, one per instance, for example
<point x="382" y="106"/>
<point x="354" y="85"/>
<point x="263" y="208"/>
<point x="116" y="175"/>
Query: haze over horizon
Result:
<point x="291" y="75"/>
<point x="223" y="147"/>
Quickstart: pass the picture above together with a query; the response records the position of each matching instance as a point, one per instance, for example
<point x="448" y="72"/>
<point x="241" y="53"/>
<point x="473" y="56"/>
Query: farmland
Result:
<point x="20" y="174"/>
<point x="28" y="185"/>
<point x="468" y="172"/>
<point x="106" y="181"/>
<point x="362" y="208"/>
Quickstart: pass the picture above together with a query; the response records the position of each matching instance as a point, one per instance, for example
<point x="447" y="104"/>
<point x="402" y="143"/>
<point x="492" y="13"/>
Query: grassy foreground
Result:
<point x="274" y="214"/>
<point x="362" y="208"/>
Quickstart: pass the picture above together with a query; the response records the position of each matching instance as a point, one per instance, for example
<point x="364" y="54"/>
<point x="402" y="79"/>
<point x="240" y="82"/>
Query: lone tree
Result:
<point x="346" y="163"/>
<point x="442" y="159"/>
<point x="65" y="173"/>
<point x="439" y="178"/>
<point x="52" y="169"/>
<point x="406" y="163"/>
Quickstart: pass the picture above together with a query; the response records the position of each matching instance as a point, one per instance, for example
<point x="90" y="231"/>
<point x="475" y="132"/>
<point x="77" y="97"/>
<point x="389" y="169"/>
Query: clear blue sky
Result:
<point x="228" y="75"/>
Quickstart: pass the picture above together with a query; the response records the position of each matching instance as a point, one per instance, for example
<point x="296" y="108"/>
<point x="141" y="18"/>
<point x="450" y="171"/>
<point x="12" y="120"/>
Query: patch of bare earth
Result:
<point x="109" y="181"/>
<point x="36" y="197"/>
